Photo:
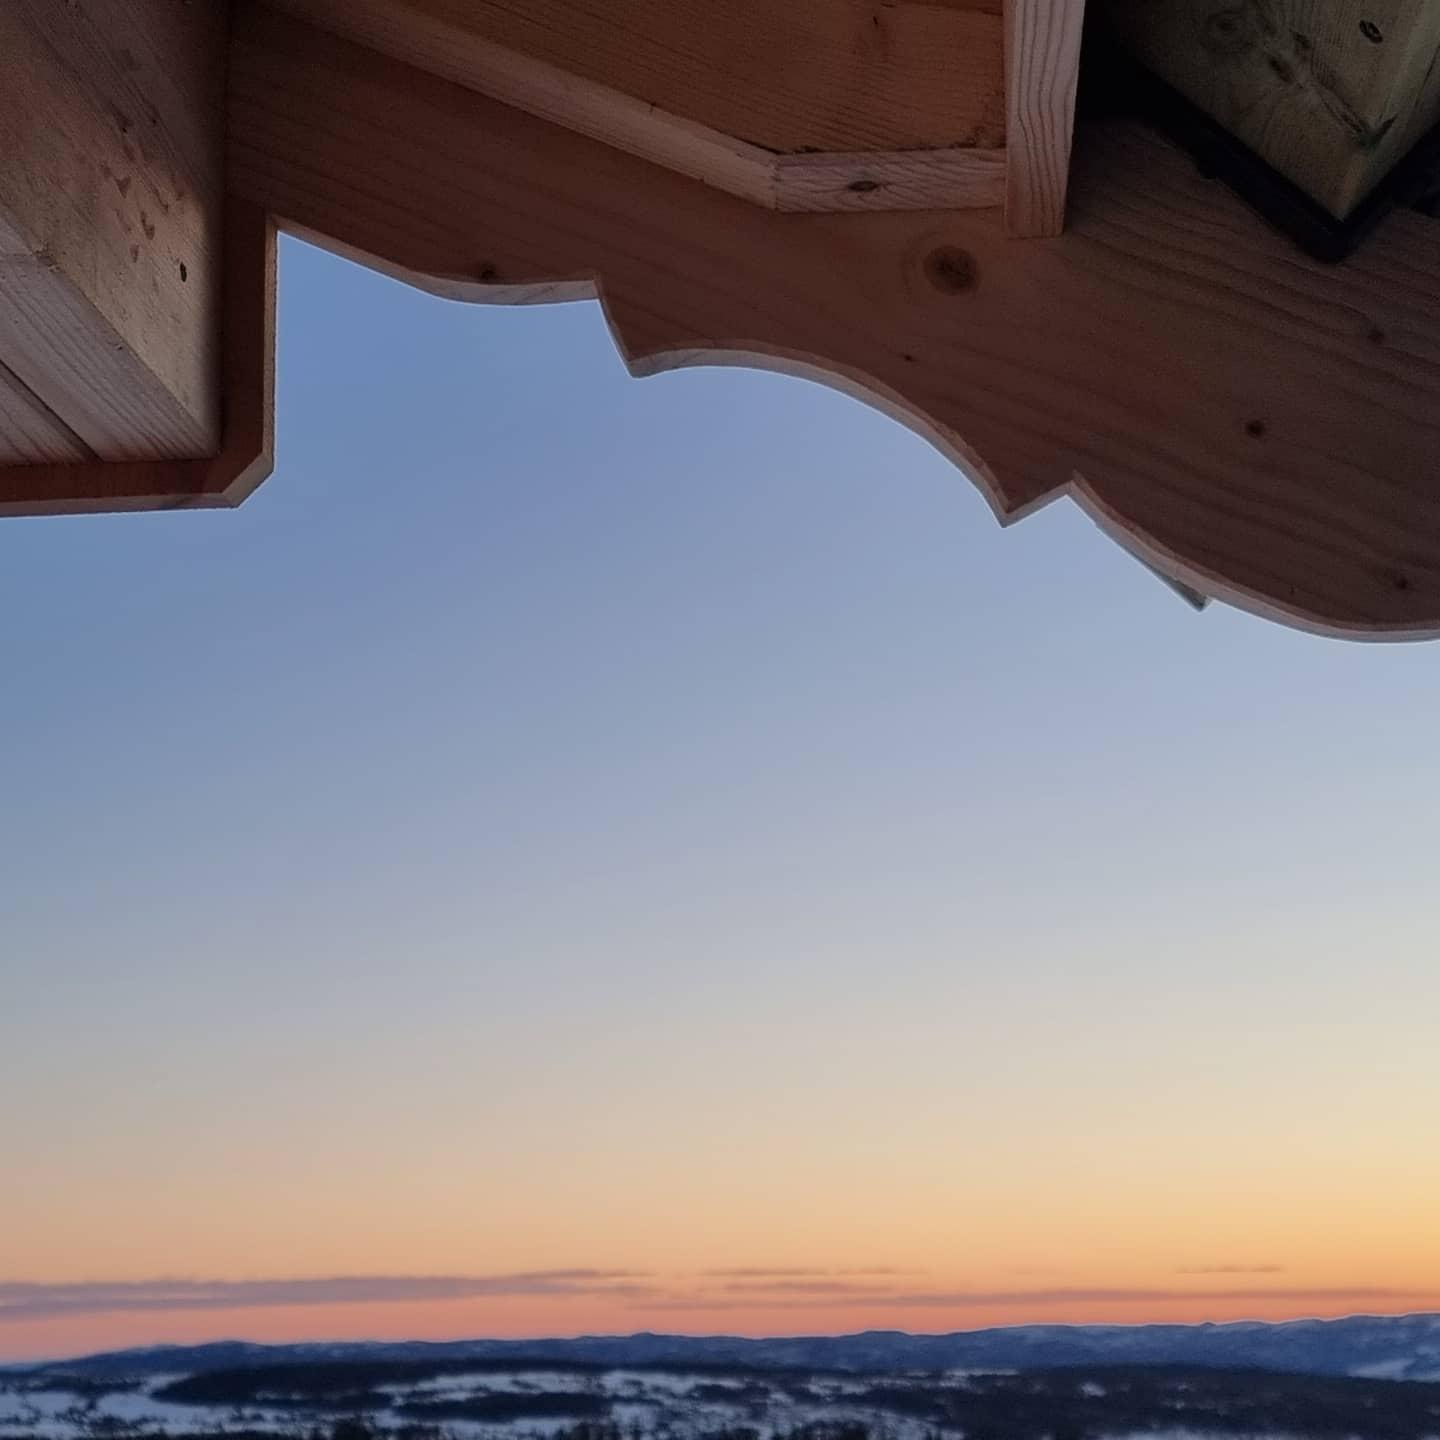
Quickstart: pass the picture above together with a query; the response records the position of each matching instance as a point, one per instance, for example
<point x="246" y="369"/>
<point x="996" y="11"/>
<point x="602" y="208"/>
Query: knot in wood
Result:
<point x="951" y="270"/>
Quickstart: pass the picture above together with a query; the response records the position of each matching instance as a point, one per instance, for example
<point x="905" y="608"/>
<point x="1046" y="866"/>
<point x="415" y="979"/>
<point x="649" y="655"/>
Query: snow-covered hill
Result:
<point x="1401" y="1347"/>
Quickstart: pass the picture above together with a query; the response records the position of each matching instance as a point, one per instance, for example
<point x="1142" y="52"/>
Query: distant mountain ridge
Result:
<point x="1391" y="1347"/>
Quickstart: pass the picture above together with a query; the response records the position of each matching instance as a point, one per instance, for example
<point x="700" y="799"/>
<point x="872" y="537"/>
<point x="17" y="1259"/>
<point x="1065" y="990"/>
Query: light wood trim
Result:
<point x="1042" y="65"/>
<point x="482" y="47"/>
<point x="447" y="40"/>
<point x="245" y="456"/>
<point x="111" y="118"/>
<point x="1260" y="427"/>
<point x="955" y="179"/>
<point x="806" y="75"/>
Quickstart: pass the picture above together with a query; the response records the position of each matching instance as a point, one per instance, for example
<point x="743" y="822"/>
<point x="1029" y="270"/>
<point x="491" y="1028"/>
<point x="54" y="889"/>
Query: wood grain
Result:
<point x="111" y="116"/>
<point x="245" y="455"/>
<point x="1256" y="426"/>
<point x="1332" y="93"/>
<point x="1042" y="65"/>
<point x="869" y="108"/>
<point x="955" y="179"/>
<point x="29" y="430"/>
<point x="829" y="75"/>
<point x="1260" y="427"/>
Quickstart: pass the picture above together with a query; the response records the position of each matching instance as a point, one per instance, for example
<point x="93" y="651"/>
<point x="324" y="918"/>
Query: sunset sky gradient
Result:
<point x="576" y="854"/>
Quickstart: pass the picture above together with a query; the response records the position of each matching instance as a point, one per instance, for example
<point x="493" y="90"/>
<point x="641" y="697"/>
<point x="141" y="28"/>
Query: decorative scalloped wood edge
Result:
<point x="1255" y="426"/>
<point x="247" y="445"/>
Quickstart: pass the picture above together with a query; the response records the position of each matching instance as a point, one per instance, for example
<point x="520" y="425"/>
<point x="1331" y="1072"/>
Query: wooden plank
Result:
<point x="821" y="105"/>
<point x="1042" y="65"/>
<point x="1262" y="428"/>
<point x="30" y="432"/>
<point x="827" y="75"/>
<point x="111" y="118"/>
<point x="245" y="456"/>
<point x="80" y="366"/>
<point x="954" y="179"/>
<point x="1332" y="93"/>
<point x="453" y="41"/>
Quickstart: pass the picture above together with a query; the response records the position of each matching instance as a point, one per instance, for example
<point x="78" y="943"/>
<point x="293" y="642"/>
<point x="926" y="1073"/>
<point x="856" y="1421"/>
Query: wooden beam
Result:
<point x="1259" y="427"/>
<point x="809" y="106"/>
<point x="1332" y="93"/>
<point x="78" y="486"/>
<point x="111" y="118"/>
<point x="1042" y="65"/>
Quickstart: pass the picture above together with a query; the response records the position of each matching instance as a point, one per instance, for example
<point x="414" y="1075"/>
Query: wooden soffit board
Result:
<point x="805" y="105"/>
<point x="1254" y="425"/>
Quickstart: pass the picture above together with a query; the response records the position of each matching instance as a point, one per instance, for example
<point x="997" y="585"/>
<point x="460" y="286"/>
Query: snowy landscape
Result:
<point x="1358" y="1379"/>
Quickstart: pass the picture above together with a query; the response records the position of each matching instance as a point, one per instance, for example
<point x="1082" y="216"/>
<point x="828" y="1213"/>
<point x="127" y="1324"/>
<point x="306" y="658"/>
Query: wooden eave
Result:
<point x="1254" y="425"/>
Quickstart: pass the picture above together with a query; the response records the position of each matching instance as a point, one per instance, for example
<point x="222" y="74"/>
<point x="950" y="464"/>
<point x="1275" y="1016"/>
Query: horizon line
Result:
<point x="717" y="1335"/>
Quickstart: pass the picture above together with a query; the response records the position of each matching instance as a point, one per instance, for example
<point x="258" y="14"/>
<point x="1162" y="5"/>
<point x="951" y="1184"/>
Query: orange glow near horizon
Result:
<point x="710" y="1310"/>
<point x="555" y="1214"/>
<point x="794" y="1231"/>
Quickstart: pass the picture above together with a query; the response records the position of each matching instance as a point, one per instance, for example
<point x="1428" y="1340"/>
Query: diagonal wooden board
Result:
<point x="810" y="105"/>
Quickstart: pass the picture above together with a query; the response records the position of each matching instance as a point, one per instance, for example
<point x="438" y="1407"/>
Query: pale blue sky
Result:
<point x="542" y="732"/>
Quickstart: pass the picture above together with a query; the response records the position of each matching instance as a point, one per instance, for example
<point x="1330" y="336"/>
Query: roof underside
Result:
<point x="831" y="188"/>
